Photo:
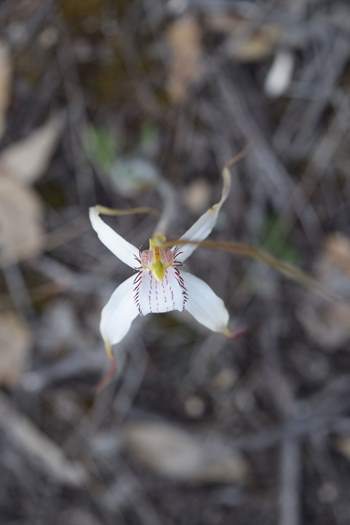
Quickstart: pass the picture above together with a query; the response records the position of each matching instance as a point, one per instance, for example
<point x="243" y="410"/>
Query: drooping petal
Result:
<point x="121" y="248"/>
<point x="160" y="296"/>
<point x="205" y="306"/>
<point x="204" y="225"/>
<point x="118" y="314"/>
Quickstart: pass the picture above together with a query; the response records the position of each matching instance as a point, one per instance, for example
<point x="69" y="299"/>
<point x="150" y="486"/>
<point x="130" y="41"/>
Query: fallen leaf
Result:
<point x="337" y="253"/>
<point x="5" y="81"/>
<point x="253" y="46"/>
<point x="328" y="323"/>
<point x="184" y="41"/>
<point x="29" y="439"/>
<point x="27" y="159"/>
<point x="21" y="230"/>
<point x="223" y="23"/>
<point x="247" y="43"/>
<point x="197" y="195"/>
<point x="174" y="453"/>
<point x="15" y="340"/>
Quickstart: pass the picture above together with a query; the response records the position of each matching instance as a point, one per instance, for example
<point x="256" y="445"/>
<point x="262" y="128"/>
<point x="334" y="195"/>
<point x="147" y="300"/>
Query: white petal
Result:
<point x="121" y="248"/>
<point x="205" y="306"/>
<point x="119" y="312"/>
<point x="157" y="297"/>
<point x="204" y="225"/>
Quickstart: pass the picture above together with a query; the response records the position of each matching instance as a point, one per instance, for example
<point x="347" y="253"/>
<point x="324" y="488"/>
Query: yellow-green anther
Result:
<point x="158" y="270"/>
<point x="157" y="240"/>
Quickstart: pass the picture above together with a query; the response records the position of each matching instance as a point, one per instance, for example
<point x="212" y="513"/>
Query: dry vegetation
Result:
<point x="133" y="103"/>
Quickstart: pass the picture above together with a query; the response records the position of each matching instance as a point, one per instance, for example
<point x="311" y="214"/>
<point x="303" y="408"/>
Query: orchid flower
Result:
<point x="159" y="282"/>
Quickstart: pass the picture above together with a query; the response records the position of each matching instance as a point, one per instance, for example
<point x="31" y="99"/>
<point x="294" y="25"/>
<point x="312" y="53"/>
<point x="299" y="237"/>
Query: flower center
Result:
<point x="157" y="259"/>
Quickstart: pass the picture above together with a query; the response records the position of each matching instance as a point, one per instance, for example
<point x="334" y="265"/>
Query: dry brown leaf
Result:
<point x="15" y="340"/>
<point x="247" y="43"/>
<point x="27" y="159"/>
<point x="21" y="230"/>
<point x="337" y="253"/>
<point x="197" y="195"/>
<point x="253" y="46"/>
<point x="328" y="323"/>
<point x="180" y="455"/>
<point x="223" y="23"/>
<point x="184" y="40"/>
<point x="29" y="439"/>
<point x="5" y="81"/>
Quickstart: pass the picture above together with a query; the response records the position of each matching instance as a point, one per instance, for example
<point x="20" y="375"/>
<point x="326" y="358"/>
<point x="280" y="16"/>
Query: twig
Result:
<point x="246" y="250"/>
<point x="290" y="474"/>
<point x="18" y="290"/>
<point x="275" y="178"/>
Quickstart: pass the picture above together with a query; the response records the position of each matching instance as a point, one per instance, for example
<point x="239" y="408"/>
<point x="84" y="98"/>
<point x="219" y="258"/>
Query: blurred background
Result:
<point x="131" y="103"/>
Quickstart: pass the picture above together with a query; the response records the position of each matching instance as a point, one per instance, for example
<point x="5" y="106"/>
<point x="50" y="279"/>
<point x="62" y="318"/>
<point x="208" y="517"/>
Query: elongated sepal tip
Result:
<point x="108" y="349"/>
<point x="235" y="334"/>
<point x="108" y="376"/>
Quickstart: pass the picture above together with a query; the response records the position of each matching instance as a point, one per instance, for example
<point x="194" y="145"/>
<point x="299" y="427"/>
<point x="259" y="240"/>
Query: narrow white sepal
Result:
<point x="205" y="306"/>
<point x="118" y="314"/>
<point x="205" y="224"/>
<point x="121" y="248"/>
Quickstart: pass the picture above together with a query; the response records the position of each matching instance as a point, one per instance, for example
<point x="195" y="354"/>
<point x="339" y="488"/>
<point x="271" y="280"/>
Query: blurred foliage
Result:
<point x="128" y="174"/>
<point x="100" y="146"/>
<point x="149" y="138"/>
<point x="276" y="239"/>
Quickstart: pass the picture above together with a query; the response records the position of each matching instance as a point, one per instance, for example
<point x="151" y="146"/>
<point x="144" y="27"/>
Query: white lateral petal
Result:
<point x="153" y="296"/>
<point x="121" y="248"/>
<point x="120" y="311"/>
<point x="204" y="225"/>
<point x="205" y="306"/>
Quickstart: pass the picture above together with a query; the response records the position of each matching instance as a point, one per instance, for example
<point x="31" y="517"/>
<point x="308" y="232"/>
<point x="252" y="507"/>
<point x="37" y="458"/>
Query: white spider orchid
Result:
<point x="160" y="284"/>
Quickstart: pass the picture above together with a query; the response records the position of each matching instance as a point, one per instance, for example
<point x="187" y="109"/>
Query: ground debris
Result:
<point x="177" y="454"/>
<point x="157" y="96"/>
<point x="15" y="341"/>
<point x="28" y="159"/>
<point x="44" y="452"/>
<point x="327" y="322"/>
<point x="22" y="233"/>
<point x="183" y="38"/>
